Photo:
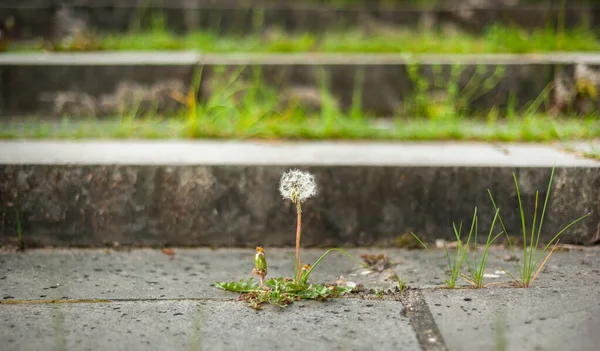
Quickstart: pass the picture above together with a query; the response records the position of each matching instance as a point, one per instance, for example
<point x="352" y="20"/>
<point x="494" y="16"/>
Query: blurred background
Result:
<point x="510" y="70"/>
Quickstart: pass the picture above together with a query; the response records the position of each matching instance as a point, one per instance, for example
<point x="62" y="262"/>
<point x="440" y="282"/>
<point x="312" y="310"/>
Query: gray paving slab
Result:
<point x="186" y="325"/>
<point x="150" y="274"/>
<point x="167" y="302"/>
<point x="429" y="154"/>
<point x="190" y="273"/>
<point x="565" y="318"/>
<point x="561" y="311"/>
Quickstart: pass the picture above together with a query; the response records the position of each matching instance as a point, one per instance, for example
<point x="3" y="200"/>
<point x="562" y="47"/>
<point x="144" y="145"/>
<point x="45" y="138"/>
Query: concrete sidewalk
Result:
<point x="147" y="300"/>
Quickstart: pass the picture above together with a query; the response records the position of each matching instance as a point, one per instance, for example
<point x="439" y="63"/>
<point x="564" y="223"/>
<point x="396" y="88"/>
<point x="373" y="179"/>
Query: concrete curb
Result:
<point x="225" y="193"/>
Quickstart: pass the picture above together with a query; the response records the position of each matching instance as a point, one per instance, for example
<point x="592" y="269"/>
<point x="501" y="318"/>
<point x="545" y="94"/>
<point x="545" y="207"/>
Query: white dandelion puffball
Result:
<point x="297" y="185"/>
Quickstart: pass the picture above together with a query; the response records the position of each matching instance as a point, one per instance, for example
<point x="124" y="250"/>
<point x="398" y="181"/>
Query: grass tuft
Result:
<point x="530" y="266"/>
<point x="478" y="266"/>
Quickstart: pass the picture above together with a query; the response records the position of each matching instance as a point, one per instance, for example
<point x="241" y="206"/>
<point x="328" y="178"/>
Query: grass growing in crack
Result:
<point x="455" y="260"/>
<point x="595" y="154"/>
<point x="292" y="124"/>
<point x="495" y="39"/>
<point x="441" y="97"/>
<point x="401" y="283"/>
<point x="379" y="292"/>
<point x="460" y="254"/>
<point x="534" y="258"/>
<point x="19" y="228"/>
<point x="242" y="107"/>
<point x="479" y="264"/>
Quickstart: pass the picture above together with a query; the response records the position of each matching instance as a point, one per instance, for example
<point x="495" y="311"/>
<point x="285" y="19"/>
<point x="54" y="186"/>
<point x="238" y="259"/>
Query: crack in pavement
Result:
<point x="428" y="334"/>
<point x="76" y="301"/>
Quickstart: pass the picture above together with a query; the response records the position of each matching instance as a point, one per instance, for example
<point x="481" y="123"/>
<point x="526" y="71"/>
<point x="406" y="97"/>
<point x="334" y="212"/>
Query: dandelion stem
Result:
<point x="298" y="234"/>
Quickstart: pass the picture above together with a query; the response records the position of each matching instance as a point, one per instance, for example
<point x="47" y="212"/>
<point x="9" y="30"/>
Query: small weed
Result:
<point x="478" y="266"/>
<point x="284" y="291"/>
<point x="595" y="154"/>
<point x="455" y="261"/>
<point x="19" y="228"/>
<point x="533" y="258"/>
<point x="531" y="264"/>
<point x="441" y="98"/>
<point x="401" y="283"/>
<point x="406" y="241"/>
<point x="281" y="291"/>
<point x="379" y="292"/>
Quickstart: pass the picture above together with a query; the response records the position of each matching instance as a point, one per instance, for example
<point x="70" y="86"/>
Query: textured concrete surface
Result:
<point x="532" y="319"/>
<point x="151" y="274"/>
<point x="50" y="82"/>
<point x="323" y="153"/>
<point x="194" y="196"/>
<point x="559" y="312"/>
<point x="190" y="273"/>
<point x="39" y="85"/>
<point x="207" y="325"/>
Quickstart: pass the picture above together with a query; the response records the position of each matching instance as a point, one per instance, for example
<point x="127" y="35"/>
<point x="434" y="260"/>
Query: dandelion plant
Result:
<point x="298" y="186"/>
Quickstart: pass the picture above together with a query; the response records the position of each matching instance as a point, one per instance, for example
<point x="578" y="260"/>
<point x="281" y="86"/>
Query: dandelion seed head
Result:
<point x="297" y="185"/>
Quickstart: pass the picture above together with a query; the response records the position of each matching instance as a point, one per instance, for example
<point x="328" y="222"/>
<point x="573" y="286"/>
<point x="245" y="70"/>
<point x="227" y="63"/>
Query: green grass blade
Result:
<point x="556" y="237"/>
<point x="518" y="281"/>
<point x="475" y="241"/>
<point x="488" y="242"/>
<point x="532" y="248"/>
<point x="294" y="267"/>
<point x="420" y="242"/>
<point x="510" y="245"/>
<point x="525" y="273"/>
<point x="545" y="204"/>
<point x="462" y="250"/>
<point x="18" y="219"/>
<point x="305" y="278"/>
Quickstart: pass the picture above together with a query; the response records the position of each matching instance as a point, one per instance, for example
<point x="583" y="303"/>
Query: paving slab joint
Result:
<point x="428" y="334"/>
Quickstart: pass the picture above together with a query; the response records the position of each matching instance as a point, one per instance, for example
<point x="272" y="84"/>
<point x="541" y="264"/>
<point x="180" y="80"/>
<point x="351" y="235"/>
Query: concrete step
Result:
<point x="226" y="193"/>
<point x="98" y="84"/>
<point x="47" y="18"/>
